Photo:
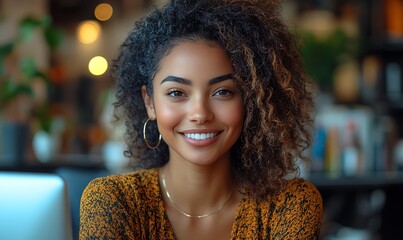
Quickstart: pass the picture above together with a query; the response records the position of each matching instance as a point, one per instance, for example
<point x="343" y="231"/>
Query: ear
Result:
<point x="149" y="103"/>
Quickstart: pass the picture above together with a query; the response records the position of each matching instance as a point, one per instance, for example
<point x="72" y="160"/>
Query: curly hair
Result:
<point x="267" y="70"/>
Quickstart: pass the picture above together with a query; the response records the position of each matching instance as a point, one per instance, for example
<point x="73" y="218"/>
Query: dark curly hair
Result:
<point x="267" y="70"/>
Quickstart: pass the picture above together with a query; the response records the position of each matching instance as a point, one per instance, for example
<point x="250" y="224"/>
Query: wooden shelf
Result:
<point x="375" y="180"/>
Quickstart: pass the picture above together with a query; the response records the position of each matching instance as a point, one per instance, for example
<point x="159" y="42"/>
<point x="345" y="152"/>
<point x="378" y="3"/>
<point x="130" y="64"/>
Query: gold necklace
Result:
<point x="187" y="214"/>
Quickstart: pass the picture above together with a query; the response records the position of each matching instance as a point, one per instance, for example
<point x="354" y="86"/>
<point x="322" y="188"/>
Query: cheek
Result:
<point x="232" y="115"/>
<point x="167" y="117"/>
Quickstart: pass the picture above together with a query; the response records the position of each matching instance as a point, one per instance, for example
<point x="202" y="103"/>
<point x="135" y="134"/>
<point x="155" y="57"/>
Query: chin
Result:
<point x="204" y="161"/>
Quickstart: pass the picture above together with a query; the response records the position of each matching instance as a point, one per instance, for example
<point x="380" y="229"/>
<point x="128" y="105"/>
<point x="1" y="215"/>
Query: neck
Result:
<point x="197" y="190"/>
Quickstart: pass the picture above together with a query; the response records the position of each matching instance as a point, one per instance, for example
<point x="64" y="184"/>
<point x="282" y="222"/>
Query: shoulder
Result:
<point x="133" y="183"/>
<point x="140" y="177"/>
<point x="297" y="195"/>
<point x="300" y="197"/>
<point x="295" y="212"/>
<point x="298" y="190"/>
<point x="115" y="206"/>
<point x="298" y="211"/>
<point x="136" y="178"/>
<point x="301" y="187"/>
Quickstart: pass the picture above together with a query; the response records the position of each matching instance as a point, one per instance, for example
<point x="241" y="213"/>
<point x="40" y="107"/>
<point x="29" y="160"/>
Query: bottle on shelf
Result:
<point x="352" y="157"/>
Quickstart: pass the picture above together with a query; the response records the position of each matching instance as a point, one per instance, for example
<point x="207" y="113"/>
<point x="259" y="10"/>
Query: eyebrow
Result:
<point x="188" y="82"/>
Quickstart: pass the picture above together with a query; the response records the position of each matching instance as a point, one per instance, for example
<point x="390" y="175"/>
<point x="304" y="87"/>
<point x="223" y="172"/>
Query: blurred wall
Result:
<point x="12" y="11"/>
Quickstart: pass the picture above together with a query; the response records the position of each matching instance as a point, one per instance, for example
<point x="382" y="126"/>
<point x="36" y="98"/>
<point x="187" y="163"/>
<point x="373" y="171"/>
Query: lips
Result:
<point x="200" y="136"/>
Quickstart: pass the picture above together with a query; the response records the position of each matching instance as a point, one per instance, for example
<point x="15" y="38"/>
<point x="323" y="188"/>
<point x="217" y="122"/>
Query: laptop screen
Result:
<point x="34" y="206"/>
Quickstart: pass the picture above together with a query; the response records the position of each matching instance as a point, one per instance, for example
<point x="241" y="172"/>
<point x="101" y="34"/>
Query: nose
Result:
<point x="200" y="111"/>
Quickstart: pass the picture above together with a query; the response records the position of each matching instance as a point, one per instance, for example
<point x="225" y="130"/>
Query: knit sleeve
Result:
<point x="104" y="212"/>
<point x="298" y="213"/>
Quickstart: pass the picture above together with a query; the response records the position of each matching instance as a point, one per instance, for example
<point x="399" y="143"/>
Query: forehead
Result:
<point x="195" y="58"/>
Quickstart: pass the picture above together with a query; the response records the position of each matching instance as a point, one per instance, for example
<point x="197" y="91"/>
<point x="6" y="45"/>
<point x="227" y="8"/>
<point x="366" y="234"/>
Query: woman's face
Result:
<point x="196" y="103"/>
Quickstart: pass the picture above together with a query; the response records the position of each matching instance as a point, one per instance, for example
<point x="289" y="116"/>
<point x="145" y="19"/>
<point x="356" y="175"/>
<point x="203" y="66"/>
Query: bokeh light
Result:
<point x="88" y="31"/>
<point x="103" y="11"/>
<point x="98" y="65"/>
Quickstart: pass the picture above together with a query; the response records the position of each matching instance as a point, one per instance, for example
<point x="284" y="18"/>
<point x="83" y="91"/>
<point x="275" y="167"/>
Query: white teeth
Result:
<point x="199" y="136"/>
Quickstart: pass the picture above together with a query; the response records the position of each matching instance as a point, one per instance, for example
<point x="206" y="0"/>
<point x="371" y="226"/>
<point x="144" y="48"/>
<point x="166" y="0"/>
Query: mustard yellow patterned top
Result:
<point x="130" y="206"/>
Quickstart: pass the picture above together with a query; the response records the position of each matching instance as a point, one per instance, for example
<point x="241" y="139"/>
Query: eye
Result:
<point x="223" y="92"/>
<point x="175" y="93"/>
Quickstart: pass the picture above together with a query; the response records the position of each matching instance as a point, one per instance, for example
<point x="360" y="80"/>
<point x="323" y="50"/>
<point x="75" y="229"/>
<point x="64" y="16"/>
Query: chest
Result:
<point x="215" y="228"/>
<point x="245" y="222"/>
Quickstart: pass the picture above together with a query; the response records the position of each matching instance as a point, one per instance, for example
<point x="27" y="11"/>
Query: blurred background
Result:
<point x="56" y="95"/>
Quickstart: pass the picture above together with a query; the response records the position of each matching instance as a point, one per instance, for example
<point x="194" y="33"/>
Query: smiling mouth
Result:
<point x="200" y="136"/>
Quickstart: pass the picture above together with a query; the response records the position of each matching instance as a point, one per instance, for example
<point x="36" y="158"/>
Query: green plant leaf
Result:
<point x="27" y="27"/>
<point x="321" y="56"/>
<point x="42" y="75"/>
<point x="24" y="89"/>
<point x="10" y="89"/>
<point x="28" y="67"/>
<point x="53" y="36"/>
<point x="6" y="49"/>
<point x="46" y="21"/>
<point x="45" y="120"/>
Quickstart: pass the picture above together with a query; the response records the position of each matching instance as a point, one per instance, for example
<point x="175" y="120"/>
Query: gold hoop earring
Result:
<point x="145" y="137"/>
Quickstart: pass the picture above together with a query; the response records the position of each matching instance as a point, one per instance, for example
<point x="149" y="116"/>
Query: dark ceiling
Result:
<point x="67" y="12"/>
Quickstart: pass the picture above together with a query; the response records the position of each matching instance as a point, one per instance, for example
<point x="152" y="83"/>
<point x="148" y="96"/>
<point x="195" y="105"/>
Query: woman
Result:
<point x="218" y="111"/>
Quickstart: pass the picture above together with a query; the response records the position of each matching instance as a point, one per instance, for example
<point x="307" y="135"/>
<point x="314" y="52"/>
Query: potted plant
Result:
<point x="18" y="75"/>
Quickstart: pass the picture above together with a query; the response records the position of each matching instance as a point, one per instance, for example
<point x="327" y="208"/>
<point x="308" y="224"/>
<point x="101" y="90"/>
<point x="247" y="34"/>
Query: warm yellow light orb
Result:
<point x="103" y="11"/>
<point x="98" y="65"/>
<point x="88" y="31"/>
